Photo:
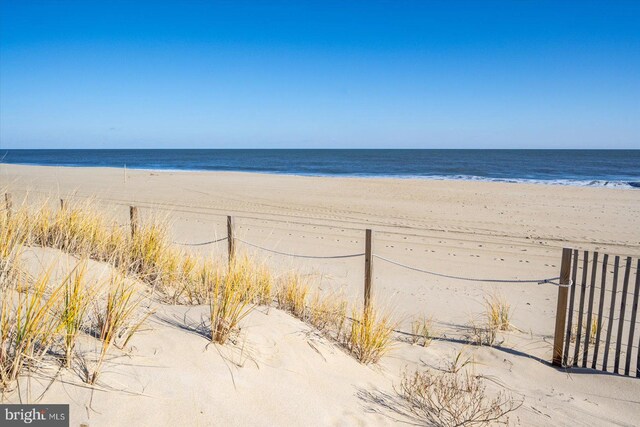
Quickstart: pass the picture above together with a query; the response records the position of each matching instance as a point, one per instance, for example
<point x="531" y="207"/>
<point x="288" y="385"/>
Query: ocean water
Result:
<point x="613" y="168"/>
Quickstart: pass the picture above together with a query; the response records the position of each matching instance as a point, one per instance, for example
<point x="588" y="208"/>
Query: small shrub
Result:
<point x="453" y="399"/>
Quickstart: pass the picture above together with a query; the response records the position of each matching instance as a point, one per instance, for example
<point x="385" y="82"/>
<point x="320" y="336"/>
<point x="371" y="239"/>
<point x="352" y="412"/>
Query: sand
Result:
<point x="285" y="374"/>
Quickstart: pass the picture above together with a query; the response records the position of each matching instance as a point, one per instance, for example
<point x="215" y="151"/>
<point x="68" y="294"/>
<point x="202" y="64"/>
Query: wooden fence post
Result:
<point x="561" y="309"/>
<point x="623" y="307"/>
<point x="133" y="217"/>
<point x="62" y="204"/>
<point x="634" y="313"/>
<point x="592" y="289"/>
<point x="8" y="203"/>
<point x="368" y="269"/>
<point x="230" y="239"/>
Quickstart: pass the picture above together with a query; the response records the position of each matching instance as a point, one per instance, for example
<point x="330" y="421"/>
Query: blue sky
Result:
<point x="446" y="74"/>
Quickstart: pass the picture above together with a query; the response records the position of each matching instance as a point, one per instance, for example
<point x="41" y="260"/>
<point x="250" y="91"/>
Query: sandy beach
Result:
<point x="319" y="214"/>
<point x="287" y="375"/>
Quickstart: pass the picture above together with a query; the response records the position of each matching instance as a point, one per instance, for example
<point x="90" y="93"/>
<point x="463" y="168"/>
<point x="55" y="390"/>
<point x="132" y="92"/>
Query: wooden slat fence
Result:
<point x="600" y="321"/>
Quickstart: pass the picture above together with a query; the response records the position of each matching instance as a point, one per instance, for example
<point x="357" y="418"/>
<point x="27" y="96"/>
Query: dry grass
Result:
<point x="371" y="334"/>
<point x="498" y="312"/>
<point x="28" y="326"/>
<point x="453" y="399"/>
<point x="80" y="230"/>
<point x="177" y="277"/>
<point x="497" y="317"/>
<point x="37" y="314"/>
<point x="12" y="240"/>
<point x="592" y="334"/>
<point x="459" y="361"/>
<point x="115" y="320"/>
<point x="328" y="314"/>
<point x="151" y="258"/>
<point x="292" y="295"/>
<point x="198" y="290"/>
<point x="421" y="331"/>
<point x="231" y="299"/>
<point x="263" y="283"/>
<point x="75" y="302"/>
<point x="77" y="229"/>
<point x="480" y="334"/>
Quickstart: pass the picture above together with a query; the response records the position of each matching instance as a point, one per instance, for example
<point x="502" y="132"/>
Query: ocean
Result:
<point x="608" y="168"/>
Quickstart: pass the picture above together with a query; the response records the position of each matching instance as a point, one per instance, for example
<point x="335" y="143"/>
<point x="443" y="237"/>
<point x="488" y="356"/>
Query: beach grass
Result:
<point x="328" y="314"/>
<point x="28" y="325"/>
<point x="371" y="334"/>
<point x="231" y="298"/>
<point x="36" y="316"/>
<point x="498" y="312"/>
<point x="292" y="294"/>
<point x="422" y="331"/>
<point x="75" y="303"/>
<point x="115" y="319"/>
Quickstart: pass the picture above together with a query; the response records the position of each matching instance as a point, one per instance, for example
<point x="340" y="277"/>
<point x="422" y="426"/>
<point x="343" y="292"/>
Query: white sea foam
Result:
<point x="572" y="182"/>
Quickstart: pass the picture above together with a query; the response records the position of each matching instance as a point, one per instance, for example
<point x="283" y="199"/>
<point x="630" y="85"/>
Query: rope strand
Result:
<point x="200" y="244"/>
<point x="297" y="255"/>
<point x="470" y="279"/>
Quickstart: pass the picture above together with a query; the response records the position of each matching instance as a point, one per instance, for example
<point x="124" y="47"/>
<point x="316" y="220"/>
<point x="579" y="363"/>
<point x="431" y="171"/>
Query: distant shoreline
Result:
<point x="627" y="185"/>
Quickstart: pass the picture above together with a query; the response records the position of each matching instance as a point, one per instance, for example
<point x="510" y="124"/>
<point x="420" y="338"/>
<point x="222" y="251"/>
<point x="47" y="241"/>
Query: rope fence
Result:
<point x="367" y="254"/>
<point x="564" y="282"/>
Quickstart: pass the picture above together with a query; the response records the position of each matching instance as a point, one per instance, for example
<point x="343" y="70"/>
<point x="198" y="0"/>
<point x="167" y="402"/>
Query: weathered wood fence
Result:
<point x="597" y="313"/>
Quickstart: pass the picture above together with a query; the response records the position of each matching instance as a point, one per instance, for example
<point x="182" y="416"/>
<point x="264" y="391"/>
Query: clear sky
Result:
<point x="345" y="74"/>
